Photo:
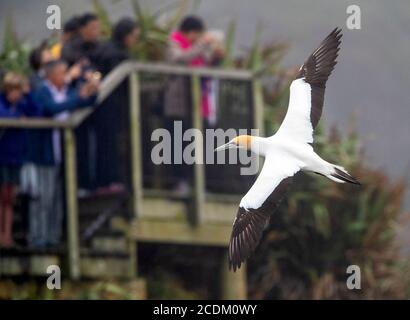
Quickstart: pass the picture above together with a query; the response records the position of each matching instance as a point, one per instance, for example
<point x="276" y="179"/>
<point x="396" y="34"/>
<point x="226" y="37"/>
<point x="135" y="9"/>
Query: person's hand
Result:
<point x="93" y="87"/>
<point x="26" y="87"/>
<point x="94" y="82"/>
<point x="89" y="88"/>
<point x="83" y="92"/>
<point x="219" y="52"/>
<point x="207" y="38"/>
<point x="88" y="75"/>
<point x="74" y="72"/>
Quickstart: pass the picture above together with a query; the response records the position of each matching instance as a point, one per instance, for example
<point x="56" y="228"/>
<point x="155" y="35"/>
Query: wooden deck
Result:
<point x="201" y="219"/>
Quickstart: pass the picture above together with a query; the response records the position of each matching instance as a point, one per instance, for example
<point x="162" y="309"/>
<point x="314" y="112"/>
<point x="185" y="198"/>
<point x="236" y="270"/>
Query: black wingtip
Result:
<point x="337" y="30"/>
<point x="336" y="34"/>
<point x="233" y="266"/>
<point x="339" y="174"/>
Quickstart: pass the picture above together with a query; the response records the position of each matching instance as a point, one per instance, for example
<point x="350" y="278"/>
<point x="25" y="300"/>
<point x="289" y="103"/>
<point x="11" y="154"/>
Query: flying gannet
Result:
<point x="288" y="151"/>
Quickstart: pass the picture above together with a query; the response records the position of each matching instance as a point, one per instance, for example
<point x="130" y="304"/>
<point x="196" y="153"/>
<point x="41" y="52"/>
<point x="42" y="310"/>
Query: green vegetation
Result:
<point x="86" y="290"/>
<point x="14" y="53"/>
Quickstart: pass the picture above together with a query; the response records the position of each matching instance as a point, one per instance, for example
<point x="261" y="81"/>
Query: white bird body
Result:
<point x="286" y="152"/>
<point x="290" y="156"/>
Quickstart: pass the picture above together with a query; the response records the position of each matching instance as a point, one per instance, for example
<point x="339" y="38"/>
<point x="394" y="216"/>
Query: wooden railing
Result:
<point x="132" y="71"/>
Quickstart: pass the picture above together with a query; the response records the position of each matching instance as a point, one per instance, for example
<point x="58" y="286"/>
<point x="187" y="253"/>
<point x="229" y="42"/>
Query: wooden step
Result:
<point x="98" y="266"/>
<point x="97" y="204"/>
<point x="109" y="227"/>
<point x="119" y="223"/>
<point x="33" y="265"/>
<point x="110" y="243"/>
<point x="168" y="231"/>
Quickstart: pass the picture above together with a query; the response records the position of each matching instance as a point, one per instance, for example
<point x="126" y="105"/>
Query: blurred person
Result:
<point x="102" y="176"/>
<point x="124" y="37"/>
<point x="56" y="99"/>
<point x="86" y="43"/>
<point x="193" y="46"/>
<point x="70" y="31"/>
<point x="15" y="102"/>
<point x="38" y="57"/>
<point x="42" y="55"/>
<point x="105" y="177"/>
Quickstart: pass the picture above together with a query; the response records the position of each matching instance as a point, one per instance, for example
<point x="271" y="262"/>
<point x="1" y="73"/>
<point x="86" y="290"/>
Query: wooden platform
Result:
<point x="156" y="216"/>
<point x="27" y="264"/>
<point x="166" y="205"/>
<point x="180" y="232"/>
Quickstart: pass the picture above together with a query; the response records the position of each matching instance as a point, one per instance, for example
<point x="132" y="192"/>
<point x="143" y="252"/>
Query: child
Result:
<point x="13" y="104"/>
<point x="191" y="45"/>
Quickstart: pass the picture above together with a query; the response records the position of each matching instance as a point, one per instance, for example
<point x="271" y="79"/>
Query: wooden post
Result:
<point x="132" y="263"/>
<point x="258" y="106"/>
<point x="233" y="283"/>
<point x="136" y="144"/>
<point x="136" y="164"/>
<point x="158" y="174"/>
<point x="199" y="168"/>
<point x="258" y="110"/>
<point x="71" y="203"/>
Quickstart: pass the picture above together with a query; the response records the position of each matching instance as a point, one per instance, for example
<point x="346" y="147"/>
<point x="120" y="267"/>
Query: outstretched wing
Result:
<point x="257" y="206"/>
<point x="307" y="91"/>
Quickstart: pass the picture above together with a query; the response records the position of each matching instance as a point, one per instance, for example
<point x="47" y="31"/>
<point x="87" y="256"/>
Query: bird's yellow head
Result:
<point x="243" y="141"/>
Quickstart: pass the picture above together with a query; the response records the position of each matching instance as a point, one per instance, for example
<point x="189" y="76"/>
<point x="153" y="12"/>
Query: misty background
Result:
<point x="369" y="85"/>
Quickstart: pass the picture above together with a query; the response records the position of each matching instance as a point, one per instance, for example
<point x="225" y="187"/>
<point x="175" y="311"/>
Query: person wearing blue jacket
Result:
<point x="56" y="99"/>
<point x="14" y="103"/>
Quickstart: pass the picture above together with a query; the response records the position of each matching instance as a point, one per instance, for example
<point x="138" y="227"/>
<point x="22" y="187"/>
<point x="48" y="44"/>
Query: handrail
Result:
<point x="111" y="82"/>
<point x="35" y="123"/>
<point x="132" y="71"/>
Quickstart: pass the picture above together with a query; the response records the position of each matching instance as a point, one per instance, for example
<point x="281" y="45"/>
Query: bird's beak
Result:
<point x="225" y="146"/>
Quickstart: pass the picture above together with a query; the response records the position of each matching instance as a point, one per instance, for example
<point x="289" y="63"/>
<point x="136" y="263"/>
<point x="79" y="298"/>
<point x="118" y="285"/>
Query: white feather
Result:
<point x="276" y="168"/>
<point x="297" y="124"/>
